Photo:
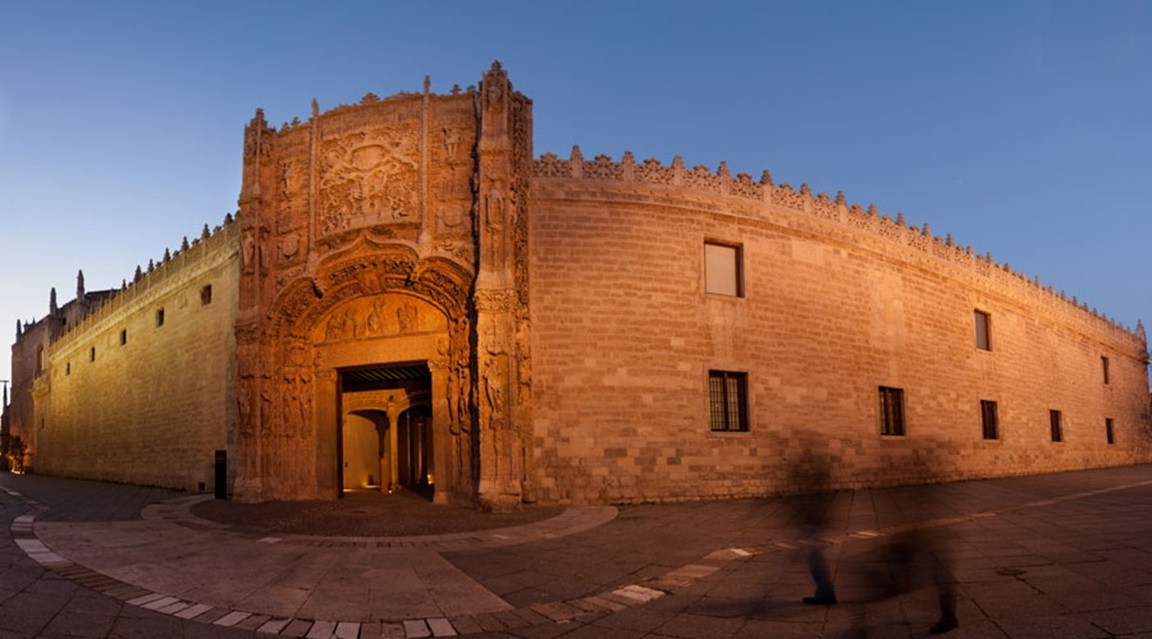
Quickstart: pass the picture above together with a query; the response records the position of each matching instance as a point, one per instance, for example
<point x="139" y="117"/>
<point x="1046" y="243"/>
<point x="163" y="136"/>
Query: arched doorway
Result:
<point x="386" y="428"/>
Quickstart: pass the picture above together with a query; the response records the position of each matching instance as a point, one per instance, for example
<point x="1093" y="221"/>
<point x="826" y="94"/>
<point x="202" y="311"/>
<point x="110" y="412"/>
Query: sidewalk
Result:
<point x="1065" y="555"/>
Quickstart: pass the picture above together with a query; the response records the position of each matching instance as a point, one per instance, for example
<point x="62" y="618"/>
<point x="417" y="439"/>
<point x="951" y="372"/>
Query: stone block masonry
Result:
<point x="143" y="390"/>
<point x="562" y="331"/>
<point x="835" y="304"/>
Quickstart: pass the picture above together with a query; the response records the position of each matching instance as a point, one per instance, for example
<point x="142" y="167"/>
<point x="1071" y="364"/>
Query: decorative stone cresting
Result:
<point x="172" y="265"/>
<point x="700" y="179"/>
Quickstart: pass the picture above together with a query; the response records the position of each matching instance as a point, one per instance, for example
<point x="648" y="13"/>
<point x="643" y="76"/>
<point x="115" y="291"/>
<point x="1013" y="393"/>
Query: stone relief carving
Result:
<point x="406" y="317"/>
<point x="289" y="247"/>
<point x="369" y="177"/>
<point x="373" y="319"/>
<point x="244" y="400"/>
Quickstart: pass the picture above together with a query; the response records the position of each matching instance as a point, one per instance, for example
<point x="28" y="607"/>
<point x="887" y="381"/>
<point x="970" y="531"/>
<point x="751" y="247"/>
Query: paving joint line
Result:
<point x="596" y="605"/>
<point x="557" y="612"/>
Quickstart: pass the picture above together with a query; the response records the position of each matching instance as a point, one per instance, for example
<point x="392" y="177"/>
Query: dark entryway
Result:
<point x="385" y="435"/>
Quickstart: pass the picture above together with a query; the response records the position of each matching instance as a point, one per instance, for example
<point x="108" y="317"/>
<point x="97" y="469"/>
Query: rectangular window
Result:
<point x="1104" y="369"/>
<point x="983" y="331"/>
<point x="206" y="295"/>
<point x="123" y="336"/>
<point x="728" y="401"/>
<point x="1057" y="427"/>
<point x="1109" y="430"/>
<point x="159" y="317"/>
<point x="989" y="420"/>
<point x="723" y="269"/>
<point x="891" y="411"/>
<point x="68" y="368"/>
<point x="92" y="354"/>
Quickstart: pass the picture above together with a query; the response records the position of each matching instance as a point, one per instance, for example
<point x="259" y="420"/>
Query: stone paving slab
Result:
<point x="1064" y="555"/>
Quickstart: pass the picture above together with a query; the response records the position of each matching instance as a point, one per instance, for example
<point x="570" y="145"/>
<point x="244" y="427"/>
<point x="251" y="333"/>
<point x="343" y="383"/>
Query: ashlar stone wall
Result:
<point x="837" y="302"/>
<point x="142" y="390"/>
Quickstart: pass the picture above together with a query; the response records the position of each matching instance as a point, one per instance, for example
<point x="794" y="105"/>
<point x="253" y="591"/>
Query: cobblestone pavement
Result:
<point x="1061" y="555"/>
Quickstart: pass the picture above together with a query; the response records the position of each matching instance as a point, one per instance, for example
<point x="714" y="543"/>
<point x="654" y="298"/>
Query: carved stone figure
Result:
<point x="406" y="316"/>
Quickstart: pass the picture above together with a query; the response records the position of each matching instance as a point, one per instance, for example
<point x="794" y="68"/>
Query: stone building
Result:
<point x="408" y="297"/>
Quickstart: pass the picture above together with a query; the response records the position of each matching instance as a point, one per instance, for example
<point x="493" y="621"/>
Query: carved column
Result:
<point x="254" y="387"/>
<point x="501" y="292"/>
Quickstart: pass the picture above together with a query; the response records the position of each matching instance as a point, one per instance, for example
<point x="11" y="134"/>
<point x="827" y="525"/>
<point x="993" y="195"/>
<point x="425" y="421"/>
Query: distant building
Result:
<point x="408" y="297"/>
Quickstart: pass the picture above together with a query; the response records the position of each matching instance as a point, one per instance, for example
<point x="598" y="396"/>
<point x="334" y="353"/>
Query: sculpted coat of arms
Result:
<point x="369" y="178"/>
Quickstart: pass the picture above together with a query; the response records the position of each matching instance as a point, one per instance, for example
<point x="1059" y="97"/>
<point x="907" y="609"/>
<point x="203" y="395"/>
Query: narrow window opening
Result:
<point x="983" y="330"/>
<point x="892" y="411"/>
<point x="206" y="295"/>
<point x="728" y="401"/>
<point x="123" y="336"/>
<point x="989" y="419"/>
<point x="1110" y="430"/>
<point x="159" y="317"/>
<point x="1104" y="370"/>
<point x="723" y="269"/>
<point x="92" y="354"/>
<point x="1055" y="421"/>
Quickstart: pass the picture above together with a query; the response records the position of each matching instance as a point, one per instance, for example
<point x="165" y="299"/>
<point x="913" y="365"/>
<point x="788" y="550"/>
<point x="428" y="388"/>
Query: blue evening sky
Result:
<point x="1021" y="127"/>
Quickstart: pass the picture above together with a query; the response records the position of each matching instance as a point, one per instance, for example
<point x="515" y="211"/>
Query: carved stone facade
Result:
<point x="407" y="298"/>
<point x="377" y="229"/>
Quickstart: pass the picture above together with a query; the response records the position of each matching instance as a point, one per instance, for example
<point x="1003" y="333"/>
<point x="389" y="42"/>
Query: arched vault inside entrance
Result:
<point x="386" y="428"/>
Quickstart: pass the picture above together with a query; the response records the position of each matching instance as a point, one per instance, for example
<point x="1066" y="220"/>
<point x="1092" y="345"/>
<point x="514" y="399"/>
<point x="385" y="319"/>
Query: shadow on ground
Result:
<point x="364" y="514"/>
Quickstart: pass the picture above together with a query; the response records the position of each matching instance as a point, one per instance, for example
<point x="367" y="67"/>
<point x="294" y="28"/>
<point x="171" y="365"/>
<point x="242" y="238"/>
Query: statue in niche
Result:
<point x="248" y="248"/>
<point x="494" y="383"/>
<point x="266" y="402"/>
<point x="495" y="224"/>
<point x="406" y="316"/>
<point x="291" y="401"/>
<point x="451" y="146"/>
<point x="289" y="179"/>
<point x="495" y="117"/>
<point x="297" y="407"/>
<point x="244" y="408"/>
<point x="496" y="374"/>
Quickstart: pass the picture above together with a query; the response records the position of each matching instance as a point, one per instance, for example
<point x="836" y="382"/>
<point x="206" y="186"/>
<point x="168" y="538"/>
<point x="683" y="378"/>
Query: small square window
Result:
<point x="159" y="317"/>
<point x="206" y="295"/>
<point x="1056" y="423"/>
<point x="1110" y="430"/>
<point x="728" y="401"/>
<point x="892" y="411"/>
<point x="1104" y="369"/>
<point x="983" y="331"/>
<point x="989" y="419"/>
<point x="723" y="269"/>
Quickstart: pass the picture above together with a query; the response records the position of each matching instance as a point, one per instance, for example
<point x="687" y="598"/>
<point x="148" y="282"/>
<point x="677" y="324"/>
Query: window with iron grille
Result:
<point x="728" y="401"/>
<point x="1054" y="419"/>
<point x="891" y="411"/>
<point x="989" y="419"/>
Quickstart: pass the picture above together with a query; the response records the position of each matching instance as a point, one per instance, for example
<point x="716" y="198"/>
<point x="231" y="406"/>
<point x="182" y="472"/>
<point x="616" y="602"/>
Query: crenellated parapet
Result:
<point x="173" y="266"/>
<point x="702" y="182"/>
